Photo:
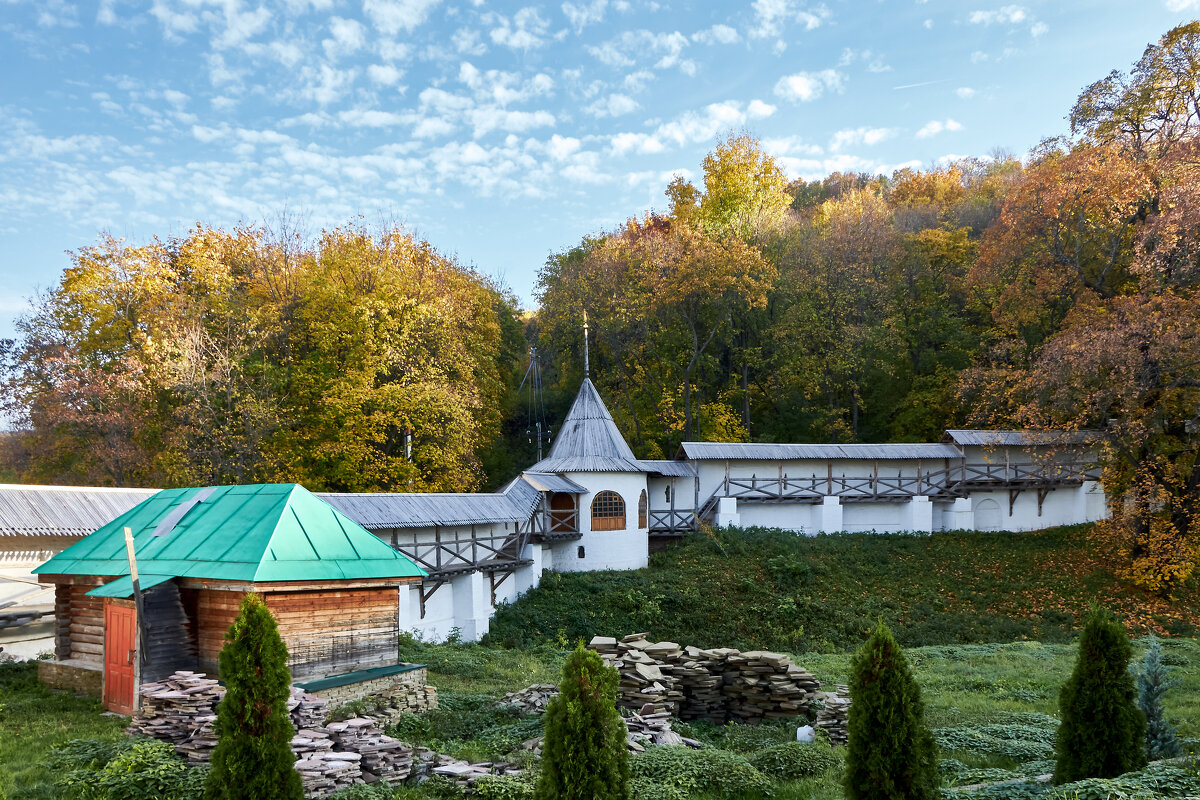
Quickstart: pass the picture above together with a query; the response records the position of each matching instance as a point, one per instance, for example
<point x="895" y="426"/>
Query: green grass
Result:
<point x="34" y="720"/>
<point x="772" y="589"/>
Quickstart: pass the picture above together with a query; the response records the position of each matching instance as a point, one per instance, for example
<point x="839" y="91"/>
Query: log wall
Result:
<point x="86" y="628"/>
<point x="326" y="632"/>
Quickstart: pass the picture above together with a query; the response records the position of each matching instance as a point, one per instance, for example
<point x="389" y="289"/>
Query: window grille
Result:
<point x="608" y="512"/>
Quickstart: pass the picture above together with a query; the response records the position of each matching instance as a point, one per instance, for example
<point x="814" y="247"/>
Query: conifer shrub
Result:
<point x="253" y="758"/>
<point x="584" y="756"/>
<point x="1153" y="681"/>
<point x="1102" y="734"/>
<point x="891" y="753"/>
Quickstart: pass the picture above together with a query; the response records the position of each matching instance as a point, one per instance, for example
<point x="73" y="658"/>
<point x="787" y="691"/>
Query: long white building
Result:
<point x="592" y="505"/>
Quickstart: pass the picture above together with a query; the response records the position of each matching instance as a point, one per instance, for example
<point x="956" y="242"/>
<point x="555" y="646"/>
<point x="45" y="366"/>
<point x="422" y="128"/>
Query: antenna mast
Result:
<point x="537" y="405"/>
<point x="587" y="370"/>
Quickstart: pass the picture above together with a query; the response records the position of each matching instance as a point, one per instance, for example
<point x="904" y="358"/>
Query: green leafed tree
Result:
<point x="253" y="758"/>
<point x="584" y="756"/>
<point x="1102" y="731"/>
<point x="891" y="754"/>
<point x="1153" y="681"/>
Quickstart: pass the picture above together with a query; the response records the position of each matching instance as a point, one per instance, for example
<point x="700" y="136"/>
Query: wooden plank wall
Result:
<point x="62" y="622"/>
<point x="215" y="612"/>
<point x="326" y="632"/>
<point x="87" y="625"/>
<point x="336" y="631"/>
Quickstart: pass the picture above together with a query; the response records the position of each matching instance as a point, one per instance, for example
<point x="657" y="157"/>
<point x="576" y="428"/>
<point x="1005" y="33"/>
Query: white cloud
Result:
<point x="325" y="84"/>
<point x="468" y="42"/>
<point x="717" y="34"/>
<point x="583" y="14"/>
<point x="640" y="45"/>
<point x="432" y="128"/>
<point x="642" y="143"/>
<point x="791" y="145"/>
<point x="805" y="86"/>
<point x="348" y="35"/>
<point x="562" y="147"/>
<point x="770" y="17"/>
<point x="1039" y="29"/>
<point x="384" y="74"/>
<point x="873" y="60"/>
<point x="526" y="31"/>
<point x="860" y="136"/>
<point x="934" y="127"/>
<point x="637" y="81"/>
<point x="1011" y="15"/>
<point x="1182" y="5"/>
<point x="175" y="98"/>
<point x="927" y="24"/>
<point x="978" y="56"/>
<point x="615" y="105"/>
<point x="287" y="53"/>
<point x="759" y="110"/>
<point x="392" y="16"/>
<point x="371" y="118"/>
<point x="965" y="92"/>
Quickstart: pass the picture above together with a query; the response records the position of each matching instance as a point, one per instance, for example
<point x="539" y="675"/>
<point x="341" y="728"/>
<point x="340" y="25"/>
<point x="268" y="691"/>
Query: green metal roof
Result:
<point x="123" y="586"/>
<point x="260" y="533"/>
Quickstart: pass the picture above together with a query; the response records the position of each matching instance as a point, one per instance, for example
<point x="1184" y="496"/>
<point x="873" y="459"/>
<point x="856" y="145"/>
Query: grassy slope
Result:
<point x="770" y="589"/>
<point x="33" y="720"/>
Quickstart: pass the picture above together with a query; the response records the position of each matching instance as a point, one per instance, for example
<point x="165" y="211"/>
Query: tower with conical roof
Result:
<point x="612" y="515"/>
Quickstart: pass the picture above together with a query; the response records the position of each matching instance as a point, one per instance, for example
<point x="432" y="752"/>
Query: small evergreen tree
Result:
<point x="584" y="755"/>
<point x="1153" y="681"/>
<point x="1102" y="732"/>
<point x="891" y="754"/>
<point x="253" y="758"/>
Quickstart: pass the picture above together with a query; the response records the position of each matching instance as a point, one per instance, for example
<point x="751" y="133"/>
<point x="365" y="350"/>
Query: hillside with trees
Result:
<point x="1059" y="290"/>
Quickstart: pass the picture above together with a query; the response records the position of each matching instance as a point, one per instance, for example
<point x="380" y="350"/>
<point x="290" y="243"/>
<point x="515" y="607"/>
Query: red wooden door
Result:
<point x="120" y="623"/>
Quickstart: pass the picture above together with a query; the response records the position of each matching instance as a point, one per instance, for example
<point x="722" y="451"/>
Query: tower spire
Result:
<point x="587" y="370"/>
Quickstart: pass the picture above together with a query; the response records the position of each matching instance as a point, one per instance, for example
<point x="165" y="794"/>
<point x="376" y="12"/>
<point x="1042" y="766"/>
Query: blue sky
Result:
<point x="499" y="131"/>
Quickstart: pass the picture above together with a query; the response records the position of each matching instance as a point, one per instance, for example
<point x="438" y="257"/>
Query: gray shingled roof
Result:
<point x="669" y="469"/>
<point x="588" y="440"/>
<point x="762" y="451"/>
<point x="383" y="510"/>
<point x="1021" y="438"/>
<point x="549" y="482"/>
<point x="62" y="510"/>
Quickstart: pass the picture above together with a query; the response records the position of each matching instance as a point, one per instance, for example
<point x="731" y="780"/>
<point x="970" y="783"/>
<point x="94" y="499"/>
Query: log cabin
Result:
<point x="332" y="586"/>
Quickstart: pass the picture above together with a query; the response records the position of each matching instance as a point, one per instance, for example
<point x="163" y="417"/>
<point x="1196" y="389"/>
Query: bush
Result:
<point x="1153" y="681"/>
<point x="794" y="760"/>
<point x="584" y="755"/>
<point x="736" y="737"/>
<point x="253" y="758"/>
<point x="1102" y="734"/>
<point x="681" y="772"/>
<point x="133" y="769"/>
<point x="891" y="753"/>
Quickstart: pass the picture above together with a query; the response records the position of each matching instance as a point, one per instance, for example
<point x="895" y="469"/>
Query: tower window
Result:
<point x="642" y="510"/>
<point x="608" y="512"/>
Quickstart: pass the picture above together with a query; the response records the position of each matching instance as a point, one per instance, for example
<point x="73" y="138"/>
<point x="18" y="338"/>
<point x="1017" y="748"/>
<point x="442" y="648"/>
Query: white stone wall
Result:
<point x="623" y="549"/>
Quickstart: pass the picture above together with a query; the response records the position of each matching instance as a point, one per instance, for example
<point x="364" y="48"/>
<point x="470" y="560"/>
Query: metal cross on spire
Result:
<point x="587" y="370"/>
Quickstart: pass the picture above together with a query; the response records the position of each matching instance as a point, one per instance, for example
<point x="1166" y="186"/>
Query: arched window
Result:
<point x="608" y="512"/>
<point x="642" y="510"/>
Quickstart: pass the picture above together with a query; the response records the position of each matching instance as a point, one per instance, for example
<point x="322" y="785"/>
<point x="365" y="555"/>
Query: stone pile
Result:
<point x="307" y="710"/>
<point x="383" y="757"/>
<point x="463" y="773"/>
<point x="653" y="728"/>
<point x="833" y="717"/>
<point x="182" y="710"/>
<point x="532" y="699"/>
<point x="719" y="684"/>
<point x="647" y="671"/>
<point x="176" y="709"/>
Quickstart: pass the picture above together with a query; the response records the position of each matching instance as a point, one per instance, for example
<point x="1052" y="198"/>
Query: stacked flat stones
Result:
<point x="383" y="758"/>
<point x="834" y="716"/>
<point x="463" y="773"/>
<point x="719" y="684"/>
<point x="532" y="699"/>
<point x="648" y="682"/>
<point x="181" y="710"/>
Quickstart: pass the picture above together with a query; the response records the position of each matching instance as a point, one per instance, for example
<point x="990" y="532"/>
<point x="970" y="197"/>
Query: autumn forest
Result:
<point x="1056" y="289"/>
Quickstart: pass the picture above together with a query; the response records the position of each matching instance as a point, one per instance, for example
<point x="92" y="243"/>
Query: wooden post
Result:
<point x="137" y="603"/>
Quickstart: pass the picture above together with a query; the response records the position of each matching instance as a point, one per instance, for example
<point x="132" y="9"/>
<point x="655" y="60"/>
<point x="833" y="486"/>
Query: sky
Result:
<point x="500" y="132"/>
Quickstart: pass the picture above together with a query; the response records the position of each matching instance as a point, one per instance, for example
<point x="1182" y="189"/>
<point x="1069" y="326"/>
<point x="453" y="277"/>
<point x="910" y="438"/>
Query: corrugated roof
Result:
<point x="762" y="451"/>
<point x="62" y="510"/>
<point x="588" y="440"/>
<point x="669" y="469"/>
<point x="549" y="482"/>
<point x="265" y="532"/>
<point x="1021" y="438"/>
